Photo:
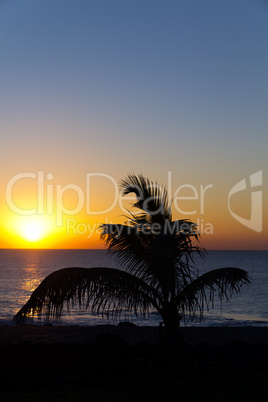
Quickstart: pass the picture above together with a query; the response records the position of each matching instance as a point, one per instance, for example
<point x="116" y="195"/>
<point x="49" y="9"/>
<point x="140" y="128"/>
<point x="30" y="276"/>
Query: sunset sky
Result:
<point x="94" y="90"/>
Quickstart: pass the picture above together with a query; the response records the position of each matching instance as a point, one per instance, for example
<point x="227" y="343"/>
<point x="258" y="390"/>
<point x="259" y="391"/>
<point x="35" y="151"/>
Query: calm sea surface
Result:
<point x="21" y="271"/>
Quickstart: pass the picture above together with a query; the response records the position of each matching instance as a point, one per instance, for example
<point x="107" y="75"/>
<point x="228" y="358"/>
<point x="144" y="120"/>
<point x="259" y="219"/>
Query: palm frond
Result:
<point x="200" y="293"/>
<point x="105" y="290"/>
<point x="151" y="197"/>
<point x="126" y="244"/>
<point x="151" y="251"/>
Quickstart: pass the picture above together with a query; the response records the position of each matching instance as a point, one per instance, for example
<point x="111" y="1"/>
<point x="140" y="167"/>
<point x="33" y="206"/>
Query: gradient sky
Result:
<point x="176" y="90"/>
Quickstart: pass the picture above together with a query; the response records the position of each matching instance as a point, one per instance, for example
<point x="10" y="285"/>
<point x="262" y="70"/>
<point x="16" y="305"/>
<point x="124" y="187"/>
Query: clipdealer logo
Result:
<point x="50" y="200"/>
<point x="255" y="220"/>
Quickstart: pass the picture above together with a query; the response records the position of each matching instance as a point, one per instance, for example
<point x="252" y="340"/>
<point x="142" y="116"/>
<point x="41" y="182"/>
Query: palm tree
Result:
<point x="159" y="273"/>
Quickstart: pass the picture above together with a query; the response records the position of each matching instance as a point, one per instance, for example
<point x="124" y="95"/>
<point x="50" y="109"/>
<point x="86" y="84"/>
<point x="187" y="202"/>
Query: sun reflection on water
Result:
<point x="32" y="272"/>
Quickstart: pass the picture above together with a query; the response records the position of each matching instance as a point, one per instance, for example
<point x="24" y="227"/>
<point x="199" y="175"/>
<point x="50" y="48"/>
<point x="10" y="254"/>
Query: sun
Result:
<point x="33" y="231"/>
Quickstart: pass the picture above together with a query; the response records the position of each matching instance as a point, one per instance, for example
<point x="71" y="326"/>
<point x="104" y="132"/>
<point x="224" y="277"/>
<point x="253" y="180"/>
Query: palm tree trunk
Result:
<point x="171" y="343"/>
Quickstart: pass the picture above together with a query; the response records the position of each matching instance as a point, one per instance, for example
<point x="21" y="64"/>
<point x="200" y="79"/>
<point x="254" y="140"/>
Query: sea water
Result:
<point x="21" y="271"/>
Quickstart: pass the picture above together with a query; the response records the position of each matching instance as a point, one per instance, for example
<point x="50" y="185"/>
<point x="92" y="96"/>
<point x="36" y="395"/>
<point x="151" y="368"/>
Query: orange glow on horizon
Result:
<point x="61" y="221"/>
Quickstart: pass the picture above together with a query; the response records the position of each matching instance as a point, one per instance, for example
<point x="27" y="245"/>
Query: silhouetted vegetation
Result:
<point x="159" y="272"/>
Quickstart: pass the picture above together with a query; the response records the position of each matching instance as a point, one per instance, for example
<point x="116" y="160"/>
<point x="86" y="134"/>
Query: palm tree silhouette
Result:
<point x="157" y="254"/>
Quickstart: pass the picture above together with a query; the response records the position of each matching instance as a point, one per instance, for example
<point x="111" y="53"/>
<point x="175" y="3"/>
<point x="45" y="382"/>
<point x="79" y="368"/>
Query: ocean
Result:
<point x="21" y="271"/>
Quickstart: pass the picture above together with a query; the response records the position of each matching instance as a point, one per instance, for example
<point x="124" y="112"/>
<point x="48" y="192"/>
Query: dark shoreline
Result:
<point x="130" y="334"/>
<point x="114" y="363"/>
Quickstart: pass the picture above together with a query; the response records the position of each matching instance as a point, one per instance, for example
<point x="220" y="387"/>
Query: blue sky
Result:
<point x="134" y="86"/>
